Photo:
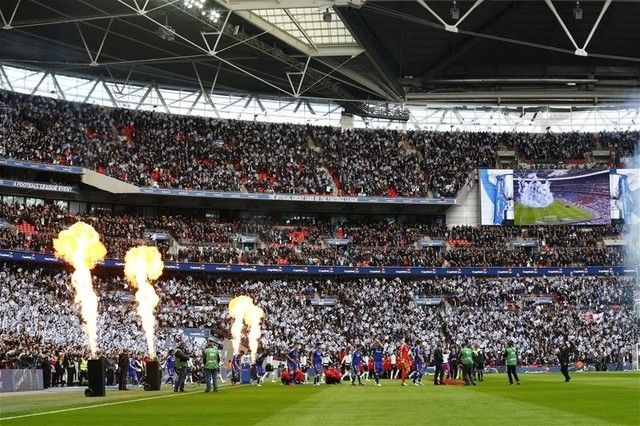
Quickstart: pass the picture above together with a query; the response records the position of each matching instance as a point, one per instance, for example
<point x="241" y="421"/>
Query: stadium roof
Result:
<point x="495" y="52"/>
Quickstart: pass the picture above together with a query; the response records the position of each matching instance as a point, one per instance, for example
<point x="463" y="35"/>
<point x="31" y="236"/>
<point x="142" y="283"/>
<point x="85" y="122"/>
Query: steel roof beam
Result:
<point x="69" y="20"/>
<point x="377" y="55"/>
<point x="469" y="42"/>
<point x="237" y="5"/>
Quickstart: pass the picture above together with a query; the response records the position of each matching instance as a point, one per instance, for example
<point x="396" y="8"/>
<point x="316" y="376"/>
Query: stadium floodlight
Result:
<point x="455" y="11"/>
<point x="214" y="15"/>
<point x="577" y="11"/>
<point x="326" y="16"/>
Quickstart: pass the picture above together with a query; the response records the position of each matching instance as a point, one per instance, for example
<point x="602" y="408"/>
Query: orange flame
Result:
<point x="80" y="246"/>
<point x="241" y="309"/>
<point x="142" y="265"/>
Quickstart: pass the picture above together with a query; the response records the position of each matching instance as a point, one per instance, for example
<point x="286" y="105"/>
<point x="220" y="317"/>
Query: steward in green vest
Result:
<point x="466" y="357"/>
<point x="511" y="360"/>
<point x="511" y="357"/>
<point x="211" y="357"/>
<point x="211" y="363"/>
<point x="83" y="370"/>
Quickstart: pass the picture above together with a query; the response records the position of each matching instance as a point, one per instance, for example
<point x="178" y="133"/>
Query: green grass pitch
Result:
<point x="558" y="212"/>
<point x="542" y="399"/>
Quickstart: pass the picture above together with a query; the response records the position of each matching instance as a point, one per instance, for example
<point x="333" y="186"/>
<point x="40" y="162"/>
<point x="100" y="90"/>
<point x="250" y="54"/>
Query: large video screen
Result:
<point x="551" y="197"/>
<point x="496" y="195"/>
<point x="625" y="195"/>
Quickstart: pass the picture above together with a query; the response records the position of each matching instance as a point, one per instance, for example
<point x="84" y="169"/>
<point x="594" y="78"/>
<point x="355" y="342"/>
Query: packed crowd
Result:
<point x="595" y="314"/>
<point x="307" y="241"/>
<point x="153" y="149"/>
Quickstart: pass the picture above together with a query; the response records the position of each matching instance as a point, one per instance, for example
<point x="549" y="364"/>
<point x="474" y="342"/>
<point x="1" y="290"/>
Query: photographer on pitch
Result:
<point x="181" y="368"/>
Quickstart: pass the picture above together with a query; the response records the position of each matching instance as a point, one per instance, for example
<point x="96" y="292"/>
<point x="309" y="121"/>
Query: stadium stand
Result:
<point x="170" y="151"/>
<point x="306" y="241"/>
<point x="39" y="319"/>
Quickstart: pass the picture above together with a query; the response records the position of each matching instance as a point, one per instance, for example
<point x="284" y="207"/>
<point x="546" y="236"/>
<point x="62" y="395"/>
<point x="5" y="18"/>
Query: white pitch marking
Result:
<point x="85" y="407"/>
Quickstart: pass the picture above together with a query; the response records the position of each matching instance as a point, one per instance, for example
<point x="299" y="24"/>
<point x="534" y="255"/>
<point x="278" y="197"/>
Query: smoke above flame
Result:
<point x="143" y="264"/>
<point x="242" y="310"/>
<point x="80" y="246"/>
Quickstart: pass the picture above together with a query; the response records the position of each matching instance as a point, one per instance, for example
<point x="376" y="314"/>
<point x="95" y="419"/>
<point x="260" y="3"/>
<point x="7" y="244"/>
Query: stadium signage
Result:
<point x="430" y="242"/>
<point x="428" y="301"/>
<point x="39" y="186"/>
<point x="20" y="380"/>
<point x="40" y="166"/>
<point x="296" y="197"/>
<point x="524" y="243"/>
<point x="326" y="301"/>
<point x="223" y="300"/>
<point x="196" y="333"/>
<point x="342" y="270"/>
<point x="338" y="241"/>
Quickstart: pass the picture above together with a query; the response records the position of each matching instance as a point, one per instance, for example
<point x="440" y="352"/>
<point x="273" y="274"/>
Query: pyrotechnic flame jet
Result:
<point x="80" y="246"/>
<point x="241" y="309"/>
<point x="143" y="264"/>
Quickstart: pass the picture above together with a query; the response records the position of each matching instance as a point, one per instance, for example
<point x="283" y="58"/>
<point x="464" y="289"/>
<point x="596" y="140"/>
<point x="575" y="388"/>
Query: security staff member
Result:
<point x="83" y="370"/>
<point x="466" y="356"/>
<point x="480" y="359"/>
<point x="563" y="357"/>
<point x="511" y="360"/>
<point x="438" y="359"/>
<point x="70" y="365"/>
<point x="211" y="363"/>
<point x="453" y="363"/>
<point x="181" y="368"/>
<point x="123" y="368"/>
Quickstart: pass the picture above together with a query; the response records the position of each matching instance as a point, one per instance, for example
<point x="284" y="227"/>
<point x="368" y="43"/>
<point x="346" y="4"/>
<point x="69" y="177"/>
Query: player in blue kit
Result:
<point x="418" y="363"/>
<point x="356" y="364"/>
<point x="293" y="357"/>
<point x="316" y="360"/>
<point x="378" y="361"/>
<point x="258" y="366"/>
<point x="170" y="364"/>
<point x="236" y="368"/>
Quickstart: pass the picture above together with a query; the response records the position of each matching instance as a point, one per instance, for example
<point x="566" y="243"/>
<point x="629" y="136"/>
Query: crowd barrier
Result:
<point x="390" y="271"/>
